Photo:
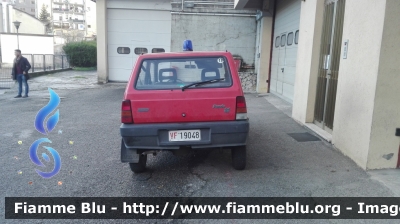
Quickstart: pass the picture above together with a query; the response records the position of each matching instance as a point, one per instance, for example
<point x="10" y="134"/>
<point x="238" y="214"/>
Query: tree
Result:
<point x="73" y="36"/>
<point x="44" y="15"/>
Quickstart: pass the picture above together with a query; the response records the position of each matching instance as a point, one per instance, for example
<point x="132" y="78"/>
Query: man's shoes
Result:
<point x="19" y="96"/>
<point x="25" y="96"/>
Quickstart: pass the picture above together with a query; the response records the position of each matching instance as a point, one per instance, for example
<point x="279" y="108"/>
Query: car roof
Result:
<point x="185" y="54"/>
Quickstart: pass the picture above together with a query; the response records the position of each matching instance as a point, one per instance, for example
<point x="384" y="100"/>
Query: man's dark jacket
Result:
<point x="24" y="65"/>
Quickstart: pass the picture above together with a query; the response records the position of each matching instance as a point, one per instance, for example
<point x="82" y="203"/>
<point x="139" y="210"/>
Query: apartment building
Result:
<point x="27" y="6"/>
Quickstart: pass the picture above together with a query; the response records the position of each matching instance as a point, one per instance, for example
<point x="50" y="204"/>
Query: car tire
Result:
<point x="139" y="167"/>
<point x="239" y="157"/>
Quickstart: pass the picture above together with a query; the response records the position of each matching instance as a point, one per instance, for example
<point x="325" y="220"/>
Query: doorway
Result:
<point x="328" y="70"/>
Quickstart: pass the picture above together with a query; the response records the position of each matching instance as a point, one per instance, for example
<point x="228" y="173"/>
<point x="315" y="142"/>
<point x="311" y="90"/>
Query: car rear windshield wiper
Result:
<point x="201" y="83"/>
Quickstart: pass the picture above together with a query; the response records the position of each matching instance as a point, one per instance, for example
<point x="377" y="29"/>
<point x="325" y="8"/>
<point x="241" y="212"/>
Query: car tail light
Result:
<point x="126" y="112"/>
<point x="241" y="109"/>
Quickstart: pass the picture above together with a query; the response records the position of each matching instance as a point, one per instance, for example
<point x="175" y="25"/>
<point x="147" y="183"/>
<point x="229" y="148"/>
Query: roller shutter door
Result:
<point x="130" y="29"/>
<point x="284" y="53"/>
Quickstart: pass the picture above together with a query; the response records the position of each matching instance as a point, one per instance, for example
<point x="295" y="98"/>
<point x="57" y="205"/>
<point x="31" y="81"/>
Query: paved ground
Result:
<point x="277" y="164"/>
<point x="67" y="80"/>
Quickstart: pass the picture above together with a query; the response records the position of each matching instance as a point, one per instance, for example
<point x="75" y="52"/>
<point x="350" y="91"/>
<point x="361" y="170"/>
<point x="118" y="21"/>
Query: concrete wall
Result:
<point x="216" y="33"/>
<point x="42" y="45"/>
<point x="29" y="24"/>
<point x="91" y="18"/>
<point x="26" y="6"/>
<point x="384" y="145"/>
<point x="356" y="90"/>
<point x="311" y="19"/>
<point x="140" y="4"/>
<point x="102" y="52"/>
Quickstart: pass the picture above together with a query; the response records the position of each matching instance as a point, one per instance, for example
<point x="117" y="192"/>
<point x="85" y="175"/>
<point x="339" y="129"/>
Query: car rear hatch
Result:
<point x="160" y="94"/>
<point x="184" y="106"/>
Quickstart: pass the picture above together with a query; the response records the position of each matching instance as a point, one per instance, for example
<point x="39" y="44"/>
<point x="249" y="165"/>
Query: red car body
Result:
<point x="154" y="112"/>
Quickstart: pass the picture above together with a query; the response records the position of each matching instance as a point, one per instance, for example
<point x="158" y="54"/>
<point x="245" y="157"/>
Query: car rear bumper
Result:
<point x="213" y="135"/>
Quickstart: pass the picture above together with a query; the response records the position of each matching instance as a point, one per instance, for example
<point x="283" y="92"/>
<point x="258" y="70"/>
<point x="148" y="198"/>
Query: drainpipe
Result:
<point x="182" y="5"/>
<point x="272" y="45"/>
<point x="398" y="157"/>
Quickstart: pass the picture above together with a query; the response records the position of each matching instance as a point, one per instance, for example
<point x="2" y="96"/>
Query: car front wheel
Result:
<point x="140" y="166"/>
<point x="239" y="157"/>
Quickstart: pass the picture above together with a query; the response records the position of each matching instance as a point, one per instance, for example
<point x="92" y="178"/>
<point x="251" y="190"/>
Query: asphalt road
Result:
<point x="87" y="139"/>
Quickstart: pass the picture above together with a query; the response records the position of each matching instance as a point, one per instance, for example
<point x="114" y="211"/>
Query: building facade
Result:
<point x="69" y="14"/>
<point x="29" y="23"/>
<point x="72" y="20"/>
<point x="332" y="60"/>
<point x="27" y="6"/>
<point x="91" y="28"/>
<point x="31" y="30"/>
<point x="335" y="62"/>
<point x="127" y="29"/>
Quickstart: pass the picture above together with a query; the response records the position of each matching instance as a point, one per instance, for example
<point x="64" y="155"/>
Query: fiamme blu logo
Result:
<point x="45" y="127"/>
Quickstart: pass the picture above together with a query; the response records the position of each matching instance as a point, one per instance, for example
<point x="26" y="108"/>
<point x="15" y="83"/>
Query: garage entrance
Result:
<point x="284" y="53"/>
<point x="132" y="32"/>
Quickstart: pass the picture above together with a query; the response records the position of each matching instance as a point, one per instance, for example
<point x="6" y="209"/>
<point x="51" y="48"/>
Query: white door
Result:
<point x="284" y="53"/>
<point x="132" y="32"/>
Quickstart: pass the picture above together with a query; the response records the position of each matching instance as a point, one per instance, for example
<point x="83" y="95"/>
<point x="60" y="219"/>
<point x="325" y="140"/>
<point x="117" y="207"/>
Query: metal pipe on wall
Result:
<point x="272" y="45"/>
<point x="214" y="14"/>
<point x="205" y="3"/>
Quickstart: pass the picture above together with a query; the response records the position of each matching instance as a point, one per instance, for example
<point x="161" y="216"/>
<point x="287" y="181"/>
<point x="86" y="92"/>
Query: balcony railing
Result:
<point x="68" y="3"/>
<point x="70" y="11"/>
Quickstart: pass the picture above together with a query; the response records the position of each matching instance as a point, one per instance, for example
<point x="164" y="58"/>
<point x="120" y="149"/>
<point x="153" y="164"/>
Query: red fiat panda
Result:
<point x="183" y="100"/>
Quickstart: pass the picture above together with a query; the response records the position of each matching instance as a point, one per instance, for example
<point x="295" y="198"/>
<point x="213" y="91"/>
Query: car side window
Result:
<point x="146" y="75"/>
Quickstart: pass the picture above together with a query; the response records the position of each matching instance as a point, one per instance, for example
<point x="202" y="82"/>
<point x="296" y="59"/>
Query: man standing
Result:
<point x="20" y="73"/>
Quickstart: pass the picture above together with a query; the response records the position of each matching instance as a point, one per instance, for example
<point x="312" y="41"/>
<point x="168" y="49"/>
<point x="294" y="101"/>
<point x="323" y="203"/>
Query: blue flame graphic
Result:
<point x="45" y="157"/>
<point x="35" y="159"/>
<point x="45" y="111"/>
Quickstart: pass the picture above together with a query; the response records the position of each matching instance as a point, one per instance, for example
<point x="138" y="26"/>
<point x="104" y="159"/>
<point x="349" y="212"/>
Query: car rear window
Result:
<point x="174" y="73"/>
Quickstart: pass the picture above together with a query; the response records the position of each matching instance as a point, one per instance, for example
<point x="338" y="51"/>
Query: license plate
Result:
<point x="184" y="135"/>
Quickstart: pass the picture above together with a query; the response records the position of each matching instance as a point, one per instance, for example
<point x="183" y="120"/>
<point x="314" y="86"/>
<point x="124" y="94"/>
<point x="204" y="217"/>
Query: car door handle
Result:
<point x="282" y="69"/>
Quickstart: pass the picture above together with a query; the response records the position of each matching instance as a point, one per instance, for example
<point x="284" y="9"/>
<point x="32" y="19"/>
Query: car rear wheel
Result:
<point x="239" y="157"/>
<point x="139" y="167"/>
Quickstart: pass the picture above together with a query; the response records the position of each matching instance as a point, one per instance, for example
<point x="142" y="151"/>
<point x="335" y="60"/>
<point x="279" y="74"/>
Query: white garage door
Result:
<point x="132" y="32"/>
<point x="284" y="53"/>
